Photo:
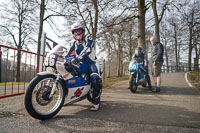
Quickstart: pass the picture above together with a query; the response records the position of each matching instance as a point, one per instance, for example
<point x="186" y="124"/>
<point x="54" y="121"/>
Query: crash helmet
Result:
<point x="138" y="51"/>
<point x="78" y="30"/>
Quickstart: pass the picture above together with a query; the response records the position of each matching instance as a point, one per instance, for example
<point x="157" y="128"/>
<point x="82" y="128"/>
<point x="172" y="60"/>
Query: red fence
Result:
<point x="17" y="68"/>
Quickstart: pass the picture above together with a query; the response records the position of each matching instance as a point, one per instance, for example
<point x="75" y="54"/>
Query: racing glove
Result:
<point x="75" y="61"/>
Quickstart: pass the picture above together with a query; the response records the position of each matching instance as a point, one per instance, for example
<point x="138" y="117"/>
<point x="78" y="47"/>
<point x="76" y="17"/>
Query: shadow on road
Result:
<point x="170" y="90"/>
<point x="134" y="113"/>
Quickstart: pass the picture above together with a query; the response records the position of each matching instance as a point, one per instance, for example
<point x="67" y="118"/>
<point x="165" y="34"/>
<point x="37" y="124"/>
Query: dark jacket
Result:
<point x="142" y="59"/>
<point x="158" y="51"/>
<point x="139" y="59"/>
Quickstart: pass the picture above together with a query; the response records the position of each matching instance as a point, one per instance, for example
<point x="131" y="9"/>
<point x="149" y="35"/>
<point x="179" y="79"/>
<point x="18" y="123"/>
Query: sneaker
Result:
<point x="95" y="107"/>
<point x="156" y="89"/>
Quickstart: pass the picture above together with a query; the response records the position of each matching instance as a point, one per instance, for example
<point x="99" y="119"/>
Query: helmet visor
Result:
<point x="77" y="32"/>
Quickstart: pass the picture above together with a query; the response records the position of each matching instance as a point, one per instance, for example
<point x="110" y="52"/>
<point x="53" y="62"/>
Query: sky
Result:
<point x="50" y="33"/>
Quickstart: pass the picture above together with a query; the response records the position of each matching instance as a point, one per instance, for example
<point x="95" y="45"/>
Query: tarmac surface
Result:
<point x="175" y="109"/>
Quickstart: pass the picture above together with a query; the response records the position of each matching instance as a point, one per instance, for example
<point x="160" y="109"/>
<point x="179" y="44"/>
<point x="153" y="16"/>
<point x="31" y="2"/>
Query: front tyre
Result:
<point x="37" y="101"/>
<point x="132" y="84"/>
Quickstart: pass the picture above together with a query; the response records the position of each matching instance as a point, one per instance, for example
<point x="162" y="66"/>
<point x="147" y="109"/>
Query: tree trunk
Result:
<point x="94" y="30"/>
<point x="141" y="24"/>
<point x="176" y="46"/>
<point x="122" y="69"/>
<point x="196" y="61"/>
<point x="121" y="61"/>
<point x="42" y="10"/>
<point x="166" y="55"/>
<point x="119" y="53"/>
<point x="119" y="65"/>
<point x="156" y="20"/>
<point x="190" y="51"/>
<point x="109" y="60"/>
<point x="19" y="46"/>
<point x="17" y="77"/>
<point x="130" y="46"/>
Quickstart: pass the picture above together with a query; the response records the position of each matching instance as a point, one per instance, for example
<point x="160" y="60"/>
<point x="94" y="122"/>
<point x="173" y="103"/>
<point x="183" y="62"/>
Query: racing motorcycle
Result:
<point x="63" y="83"/>
<point x="138" y="76"/>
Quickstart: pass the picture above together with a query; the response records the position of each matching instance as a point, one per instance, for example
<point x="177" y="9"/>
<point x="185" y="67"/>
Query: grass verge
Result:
<point x="108" y="82"/>
<point x="14" y="83"/>
<point x="194" y="78"/>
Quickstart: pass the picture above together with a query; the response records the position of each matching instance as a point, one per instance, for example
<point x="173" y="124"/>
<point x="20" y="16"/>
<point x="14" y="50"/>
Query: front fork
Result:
<point x="54" y="86"/>
<point x="137" y="78"/>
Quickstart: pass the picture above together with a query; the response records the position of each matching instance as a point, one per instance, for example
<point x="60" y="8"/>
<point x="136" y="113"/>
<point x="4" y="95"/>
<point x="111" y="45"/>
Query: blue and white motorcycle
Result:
<point x="138" y="76"/>
<point x="62" y="83"/>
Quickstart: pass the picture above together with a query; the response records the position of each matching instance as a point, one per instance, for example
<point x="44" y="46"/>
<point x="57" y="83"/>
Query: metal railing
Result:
<point x="169" y="69"/>
<point x="17" y="68"/>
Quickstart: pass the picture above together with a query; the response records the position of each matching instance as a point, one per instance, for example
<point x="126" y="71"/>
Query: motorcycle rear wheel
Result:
<point x="37" y="101"/>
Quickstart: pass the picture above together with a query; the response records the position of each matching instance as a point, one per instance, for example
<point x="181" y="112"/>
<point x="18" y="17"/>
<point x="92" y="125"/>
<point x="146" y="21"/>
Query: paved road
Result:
<point x="175" y="109"/>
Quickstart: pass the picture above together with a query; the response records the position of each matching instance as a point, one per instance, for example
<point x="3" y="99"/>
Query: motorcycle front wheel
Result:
<point x="132" y="84"/>
<point x="37" y="101"/>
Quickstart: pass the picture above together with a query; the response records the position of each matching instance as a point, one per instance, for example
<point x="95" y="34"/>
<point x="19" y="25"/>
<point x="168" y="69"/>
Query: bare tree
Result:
<point x="175" y="27"/>
<point x="49" y="10"/>
<point x="165" y="36"/>
<point x="141" y="24"/>
<point x="192" y="19"/>
<point x="159" y="17"/>
<point x="18" y="25"/>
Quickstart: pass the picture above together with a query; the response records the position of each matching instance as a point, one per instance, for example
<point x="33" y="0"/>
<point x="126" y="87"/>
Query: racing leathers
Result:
<point x="86" y="53"/>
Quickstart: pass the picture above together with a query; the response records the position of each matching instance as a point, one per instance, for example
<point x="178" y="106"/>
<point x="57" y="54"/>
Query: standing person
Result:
<point x="83" y="46"/>
<point x="157" y="62"/>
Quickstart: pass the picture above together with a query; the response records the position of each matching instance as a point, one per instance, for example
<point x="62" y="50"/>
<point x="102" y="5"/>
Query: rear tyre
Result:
<point x="132" y="84"/>
<point x="37" y="101"/>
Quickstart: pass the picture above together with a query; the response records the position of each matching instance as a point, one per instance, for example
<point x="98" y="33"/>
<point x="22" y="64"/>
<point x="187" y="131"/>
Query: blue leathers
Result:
<point x="86" y="53"/>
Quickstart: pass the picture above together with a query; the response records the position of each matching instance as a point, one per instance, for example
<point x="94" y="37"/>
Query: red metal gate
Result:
<point x="17" y="68"/>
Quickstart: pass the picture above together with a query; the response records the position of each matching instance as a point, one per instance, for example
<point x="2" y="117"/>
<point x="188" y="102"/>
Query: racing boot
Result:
<point x="95" y="107"/>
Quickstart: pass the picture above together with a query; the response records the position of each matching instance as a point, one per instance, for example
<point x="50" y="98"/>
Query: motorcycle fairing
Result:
<point x="76" y="93"/>
<point x="76" y="82"/>
<point x="134" y="68"/>
<point x="61" y="69"/>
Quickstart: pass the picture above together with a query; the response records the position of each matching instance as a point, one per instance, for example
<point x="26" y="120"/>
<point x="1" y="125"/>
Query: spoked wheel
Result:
<point x="132" y="84"/>
<point x="37" y="101"/>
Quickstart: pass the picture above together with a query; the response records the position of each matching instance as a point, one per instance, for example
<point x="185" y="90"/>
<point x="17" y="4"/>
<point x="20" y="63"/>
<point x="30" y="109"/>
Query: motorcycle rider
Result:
<point x="83" y="46"/>
<point x="140" y="57"/>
